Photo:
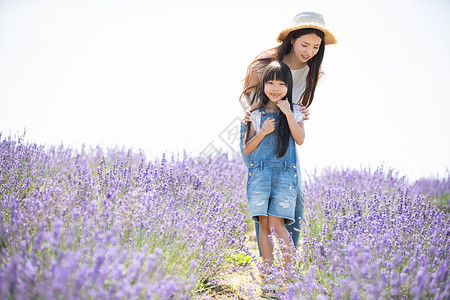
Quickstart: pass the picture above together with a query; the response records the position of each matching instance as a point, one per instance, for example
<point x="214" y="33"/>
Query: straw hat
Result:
<point x="308" y="20"/>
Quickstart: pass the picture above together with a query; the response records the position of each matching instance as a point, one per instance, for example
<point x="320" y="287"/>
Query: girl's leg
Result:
<point x="265" y="245"/>
<point x="294" y="228"/>
<point x="280" y="229"/>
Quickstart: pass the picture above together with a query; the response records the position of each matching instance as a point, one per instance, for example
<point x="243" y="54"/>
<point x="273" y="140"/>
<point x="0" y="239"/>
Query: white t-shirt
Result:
<point x="255" y="117"/>
<point x="299" y="83"/>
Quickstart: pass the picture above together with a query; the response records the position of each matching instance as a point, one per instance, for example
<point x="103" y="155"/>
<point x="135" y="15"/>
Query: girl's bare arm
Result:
<point x="254" y="139"/>
<point x="297" y="129"/>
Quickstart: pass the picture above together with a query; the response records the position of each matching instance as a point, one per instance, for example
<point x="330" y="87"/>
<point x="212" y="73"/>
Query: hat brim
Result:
<point x="330" y="39"/>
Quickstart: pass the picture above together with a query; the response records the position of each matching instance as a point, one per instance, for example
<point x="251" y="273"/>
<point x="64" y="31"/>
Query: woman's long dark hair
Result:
<point x="278" y="54"/>
<point x="277" y="71"/>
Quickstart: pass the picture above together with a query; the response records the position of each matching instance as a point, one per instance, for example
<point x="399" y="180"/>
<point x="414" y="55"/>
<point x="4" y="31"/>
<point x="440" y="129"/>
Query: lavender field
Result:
<point x="108" y="224"/>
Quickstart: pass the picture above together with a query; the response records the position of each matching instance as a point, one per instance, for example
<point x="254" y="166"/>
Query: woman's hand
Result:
<point x="247" y="117"/>
<point x="304" y="111"/>
<point x="268" y="126"/>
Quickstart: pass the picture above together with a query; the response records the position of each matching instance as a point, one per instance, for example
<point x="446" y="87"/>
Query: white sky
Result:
<point x="166" y="76"/>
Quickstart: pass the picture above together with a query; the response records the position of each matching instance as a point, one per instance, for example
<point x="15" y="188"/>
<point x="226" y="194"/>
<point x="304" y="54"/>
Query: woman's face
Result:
<point x="306" y="46"/>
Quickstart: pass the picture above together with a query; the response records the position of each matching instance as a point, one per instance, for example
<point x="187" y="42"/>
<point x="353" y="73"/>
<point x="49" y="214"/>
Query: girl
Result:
<point x="302" y="49"/>
<point x="269" y="147"/>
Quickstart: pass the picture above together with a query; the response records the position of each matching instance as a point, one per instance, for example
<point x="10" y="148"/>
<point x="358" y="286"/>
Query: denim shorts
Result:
<point x="272" y="190"/>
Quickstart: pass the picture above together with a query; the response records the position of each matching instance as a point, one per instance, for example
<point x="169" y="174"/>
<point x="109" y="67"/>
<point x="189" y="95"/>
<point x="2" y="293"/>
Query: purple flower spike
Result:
<point x="109" y="225"/>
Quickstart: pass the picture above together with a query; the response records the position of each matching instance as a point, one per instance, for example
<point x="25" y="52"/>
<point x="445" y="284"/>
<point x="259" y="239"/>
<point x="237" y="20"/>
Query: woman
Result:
<point x="302" y="49"/>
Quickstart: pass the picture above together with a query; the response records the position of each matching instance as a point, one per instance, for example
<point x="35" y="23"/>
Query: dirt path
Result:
<point x="237" y="284"/>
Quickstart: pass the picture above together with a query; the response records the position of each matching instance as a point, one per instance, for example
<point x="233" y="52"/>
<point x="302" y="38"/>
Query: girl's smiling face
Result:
<point x="275" y="90"/>
<point x="306" y="46"/>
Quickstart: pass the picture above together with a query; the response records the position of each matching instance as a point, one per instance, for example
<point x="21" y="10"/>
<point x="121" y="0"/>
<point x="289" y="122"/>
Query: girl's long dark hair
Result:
<point x="278" y="54"/>
<point x="277" y="71"/>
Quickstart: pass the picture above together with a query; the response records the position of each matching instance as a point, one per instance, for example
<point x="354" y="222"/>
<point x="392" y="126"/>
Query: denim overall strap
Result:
<point x="243" y="135"/>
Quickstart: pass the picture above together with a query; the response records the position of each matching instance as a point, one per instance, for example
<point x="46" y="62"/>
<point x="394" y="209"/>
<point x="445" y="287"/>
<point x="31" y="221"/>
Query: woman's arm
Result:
<point x="254" y="139"/>
<point x="251" y="80"/>
<point x="253" y="76"/>
<point x="245" y="102"/>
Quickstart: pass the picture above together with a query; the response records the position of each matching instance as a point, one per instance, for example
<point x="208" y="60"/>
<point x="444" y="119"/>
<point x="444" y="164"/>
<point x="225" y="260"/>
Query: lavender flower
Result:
<point x="108" y="225"/>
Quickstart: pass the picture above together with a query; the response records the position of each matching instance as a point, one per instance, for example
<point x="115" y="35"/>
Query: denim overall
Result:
<point x="272" y="180"/>
<point x="293" y="229"/>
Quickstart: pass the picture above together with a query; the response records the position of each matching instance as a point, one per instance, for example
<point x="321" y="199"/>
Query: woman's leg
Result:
<point x="294" y="228"/>
<point x="257" y="237"/>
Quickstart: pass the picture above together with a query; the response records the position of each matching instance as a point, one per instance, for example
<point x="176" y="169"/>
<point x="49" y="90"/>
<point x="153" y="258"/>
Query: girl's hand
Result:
<point x="247" y="117"/>
<point x="304" y="111"/>
<point x="284" y="106"/>
<point x="268" y="126"/>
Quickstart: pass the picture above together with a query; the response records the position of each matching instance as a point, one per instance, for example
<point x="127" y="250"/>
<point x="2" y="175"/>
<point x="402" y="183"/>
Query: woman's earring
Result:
<point x="292" y="47"/>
